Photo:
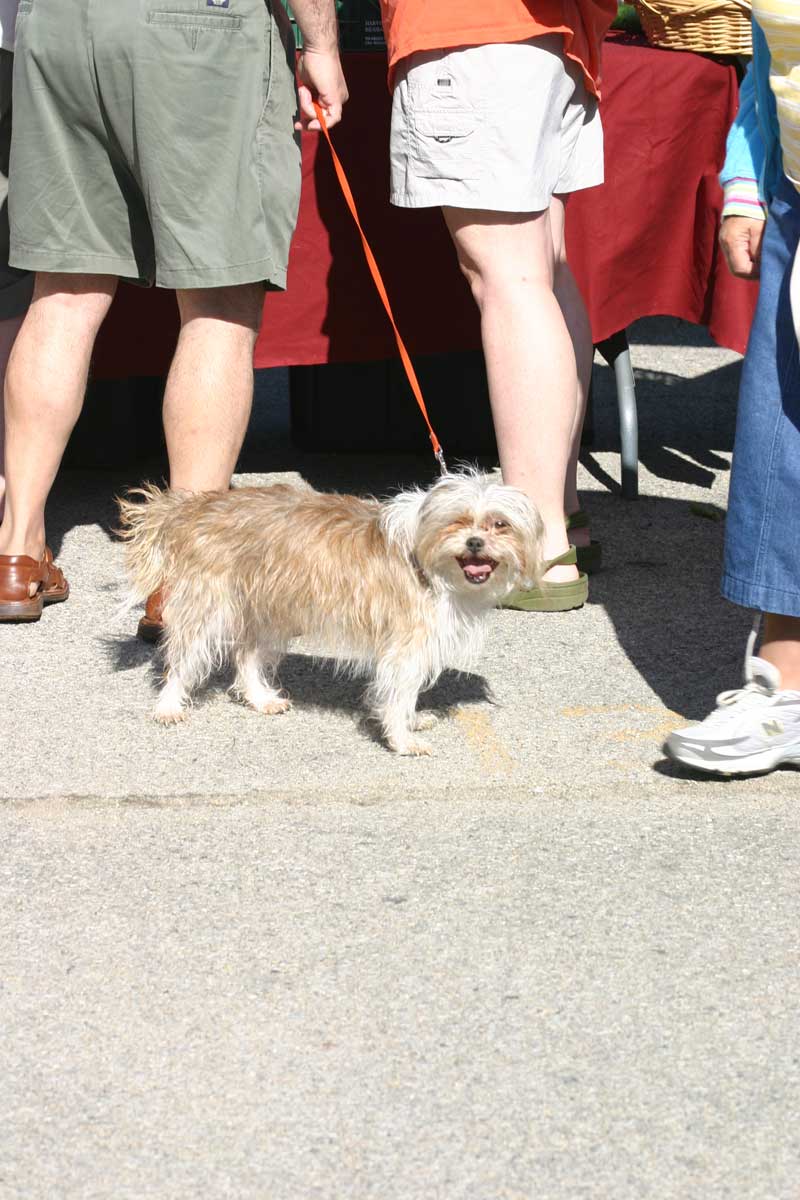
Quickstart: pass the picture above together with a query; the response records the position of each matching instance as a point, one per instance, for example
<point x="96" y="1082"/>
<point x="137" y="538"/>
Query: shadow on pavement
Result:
<point x="661" y="578"/>
<point x="659" y="587"/>
<point x="310" y="681"/>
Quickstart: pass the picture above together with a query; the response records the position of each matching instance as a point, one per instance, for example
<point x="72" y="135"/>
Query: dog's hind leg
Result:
<point x="256" y="669"/>
<point x="196" y="633"/>
<point x="392" y="696"/>
<point x="182" y="675"/>
<point x="172" y="699"/>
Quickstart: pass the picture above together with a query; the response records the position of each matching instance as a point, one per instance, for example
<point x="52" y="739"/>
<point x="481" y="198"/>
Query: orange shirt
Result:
<point x="412" y="25"/>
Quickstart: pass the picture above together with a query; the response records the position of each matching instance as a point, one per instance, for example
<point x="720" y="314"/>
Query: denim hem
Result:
<point x="760" y="598"/>
<point x="762" y="542"/>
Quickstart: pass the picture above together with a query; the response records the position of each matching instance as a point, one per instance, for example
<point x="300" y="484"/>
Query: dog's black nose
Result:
<point x="474" y="545"/>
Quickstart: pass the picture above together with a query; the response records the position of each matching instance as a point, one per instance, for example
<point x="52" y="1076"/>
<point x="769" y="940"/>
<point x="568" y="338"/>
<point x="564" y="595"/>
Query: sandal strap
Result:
<point x="568" y="559"/>
<point x="577" y="520"/>
<point x="53" y="579"/>
<point x="154" y="607"/>
<point x="17" y="573"/>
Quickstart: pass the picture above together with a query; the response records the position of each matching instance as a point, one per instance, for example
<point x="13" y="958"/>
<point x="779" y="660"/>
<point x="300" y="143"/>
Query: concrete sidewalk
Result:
<point x="255" y="958"/>
<point x="562" y="701"/>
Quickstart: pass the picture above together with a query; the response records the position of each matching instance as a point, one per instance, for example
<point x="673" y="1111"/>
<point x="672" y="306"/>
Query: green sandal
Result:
<point x="590" y="558"/>
<point x="552" y="597"/>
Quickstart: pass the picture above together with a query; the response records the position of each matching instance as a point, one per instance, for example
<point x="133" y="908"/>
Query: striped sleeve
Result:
<point x="744" y="158"/>
<point x="741" y="199"/>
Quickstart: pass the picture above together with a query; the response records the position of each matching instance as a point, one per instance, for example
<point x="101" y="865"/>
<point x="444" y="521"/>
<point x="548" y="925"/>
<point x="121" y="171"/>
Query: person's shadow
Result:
<point x="660" y="585"/>
<point x="662" y="555"/>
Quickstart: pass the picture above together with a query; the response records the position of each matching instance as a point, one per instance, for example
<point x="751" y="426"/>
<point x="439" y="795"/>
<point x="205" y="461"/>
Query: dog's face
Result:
<point x="478" y="536"/>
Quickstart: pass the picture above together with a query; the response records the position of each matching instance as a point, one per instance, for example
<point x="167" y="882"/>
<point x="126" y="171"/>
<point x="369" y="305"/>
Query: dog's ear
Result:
<point x="400" y="518"/>
<point x="528" y="528"/>
<point x="532" y="565"/>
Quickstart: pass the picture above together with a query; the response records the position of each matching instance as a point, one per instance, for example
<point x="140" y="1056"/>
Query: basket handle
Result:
<point x="746" y="5"/>
<point x="649" y="7"/>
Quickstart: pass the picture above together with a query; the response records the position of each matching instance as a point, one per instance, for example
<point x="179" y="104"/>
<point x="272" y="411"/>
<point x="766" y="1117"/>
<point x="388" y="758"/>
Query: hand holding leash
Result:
<point x="321" y="83"/>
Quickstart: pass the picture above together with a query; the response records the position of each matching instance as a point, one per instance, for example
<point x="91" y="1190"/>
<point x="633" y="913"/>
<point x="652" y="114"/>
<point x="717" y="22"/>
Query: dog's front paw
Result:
<point x="414" y="746"/>
<point x="169" y="714"/>
<point x="271" y="708"/>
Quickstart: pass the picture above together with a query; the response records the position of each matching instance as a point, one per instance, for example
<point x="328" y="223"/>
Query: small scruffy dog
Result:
<point x="396" y="590"/>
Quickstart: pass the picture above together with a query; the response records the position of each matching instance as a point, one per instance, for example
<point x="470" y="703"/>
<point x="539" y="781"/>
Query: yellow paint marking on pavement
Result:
<point x="600" y="710"/>
<point x="484" y="740"/>
<point x="668" y="721"/>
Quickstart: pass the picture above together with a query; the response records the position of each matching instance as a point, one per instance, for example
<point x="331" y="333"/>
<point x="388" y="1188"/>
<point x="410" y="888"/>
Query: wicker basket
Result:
<point x="707" y="26"/>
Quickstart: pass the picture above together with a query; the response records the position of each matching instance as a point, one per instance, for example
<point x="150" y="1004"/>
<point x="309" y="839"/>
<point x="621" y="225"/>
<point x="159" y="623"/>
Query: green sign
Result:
<point x="360" y="25"/>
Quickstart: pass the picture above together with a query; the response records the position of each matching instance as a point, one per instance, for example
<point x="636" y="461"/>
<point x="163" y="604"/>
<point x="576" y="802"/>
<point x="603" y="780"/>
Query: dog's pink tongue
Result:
<point x="477" y="569"/>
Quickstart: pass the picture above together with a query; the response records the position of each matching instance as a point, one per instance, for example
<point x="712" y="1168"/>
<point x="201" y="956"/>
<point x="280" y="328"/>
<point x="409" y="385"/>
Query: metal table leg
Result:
<point x="617" y="354"/>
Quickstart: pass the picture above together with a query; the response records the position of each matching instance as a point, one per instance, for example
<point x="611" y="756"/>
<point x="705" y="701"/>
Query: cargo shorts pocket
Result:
<point x="192" y="25"/>
<point x="223" y="23"/>
<point x="271" y="33"/>
<point x="445" y="144"/>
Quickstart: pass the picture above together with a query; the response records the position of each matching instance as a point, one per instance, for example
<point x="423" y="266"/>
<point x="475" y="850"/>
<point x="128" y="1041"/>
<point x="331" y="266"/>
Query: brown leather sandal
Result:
<point x="151" y="626"/>
<point x="27" y="585"/>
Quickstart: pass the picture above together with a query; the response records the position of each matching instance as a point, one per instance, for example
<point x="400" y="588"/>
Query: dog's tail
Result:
<point x="146" y="518"/>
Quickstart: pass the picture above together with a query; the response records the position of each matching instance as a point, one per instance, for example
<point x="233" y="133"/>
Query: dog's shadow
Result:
<point x="314" y="682"/>
<point x="130" y="653"/>
<point x="311" y="682"/>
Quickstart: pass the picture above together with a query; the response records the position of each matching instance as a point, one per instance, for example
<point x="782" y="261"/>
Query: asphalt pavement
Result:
<point x="264" y="957"/>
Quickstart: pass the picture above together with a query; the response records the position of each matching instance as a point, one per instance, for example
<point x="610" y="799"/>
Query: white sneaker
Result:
<point x="753" y="728"/>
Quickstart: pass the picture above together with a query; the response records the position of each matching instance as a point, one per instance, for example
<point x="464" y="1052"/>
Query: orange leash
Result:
<point x="379" y="284"/>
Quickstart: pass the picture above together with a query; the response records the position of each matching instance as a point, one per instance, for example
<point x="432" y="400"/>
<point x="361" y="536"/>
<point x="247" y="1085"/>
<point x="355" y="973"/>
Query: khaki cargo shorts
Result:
<point x="499" y="127"/>
<point x="154" y="140"/>
<point x="16" y="287"/>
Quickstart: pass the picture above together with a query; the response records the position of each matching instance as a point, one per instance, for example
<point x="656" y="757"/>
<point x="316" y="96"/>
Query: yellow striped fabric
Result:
<point x="780" y="20"/>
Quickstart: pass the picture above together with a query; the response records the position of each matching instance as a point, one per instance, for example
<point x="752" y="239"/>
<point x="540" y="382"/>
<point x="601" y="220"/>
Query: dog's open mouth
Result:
<point x="476" y="569"/>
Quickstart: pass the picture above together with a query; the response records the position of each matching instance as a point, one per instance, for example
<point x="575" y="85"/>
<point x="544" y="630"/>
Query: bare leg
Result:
<point x="8" y="331"/>
<point x="580" y="331"/>
<point x="780" y="645"/>
<point x="209" y="390"/>
<point x="45" y="386"/>
<point x="509" y="261"/>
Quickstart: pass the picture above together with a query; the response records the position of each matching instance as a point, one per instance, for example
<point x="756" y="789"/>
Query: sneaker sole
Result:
<point x="751" y="764"/>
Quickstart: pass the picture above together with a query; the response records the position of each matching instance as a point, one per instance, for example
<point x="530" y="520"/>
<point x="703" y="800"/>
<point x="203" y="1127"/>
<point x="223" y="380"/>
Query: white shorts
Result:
<point x="498" y="127"/>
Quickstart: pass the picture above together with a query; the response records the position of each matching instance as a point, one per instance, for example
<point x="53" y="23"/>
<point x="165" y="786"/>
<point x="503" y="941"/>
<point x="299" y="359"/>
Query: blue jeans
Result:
<point x="762" y="534"/>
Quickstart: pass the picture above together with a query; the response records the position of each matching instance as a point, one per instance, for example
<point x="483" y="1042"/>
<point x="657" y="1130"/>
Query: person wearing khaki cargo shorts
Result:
<point x="156" y="141"/>
<point x="495" y="120"/>
<point x="15" y="286"/>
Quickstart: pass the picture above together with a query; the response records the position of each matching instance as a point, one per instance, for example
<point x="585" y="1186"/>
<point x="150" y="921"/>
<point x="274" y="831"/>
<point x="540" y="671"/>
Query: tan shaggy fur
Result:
<point x="396" y="589"/>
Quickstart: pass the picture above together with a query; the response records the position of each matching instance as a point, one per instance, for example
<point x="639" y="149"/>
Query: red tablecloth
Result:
<point x="645" y="243"/>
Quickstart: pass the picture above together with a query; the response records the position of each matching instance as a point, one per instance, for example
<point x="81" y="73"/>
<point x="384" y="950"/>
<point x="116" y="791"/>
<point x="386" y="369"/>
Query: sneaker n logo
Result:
<point x="771" y="728"/>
